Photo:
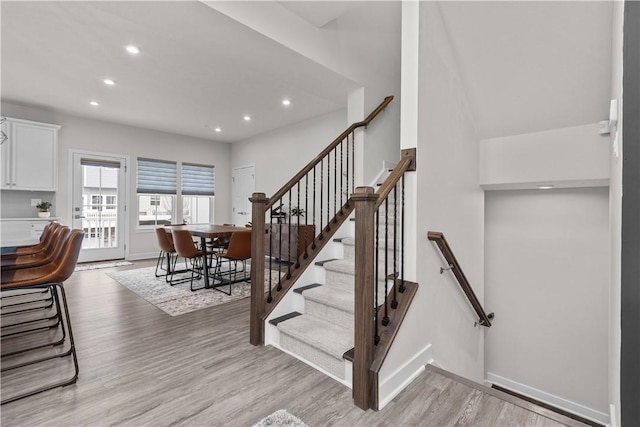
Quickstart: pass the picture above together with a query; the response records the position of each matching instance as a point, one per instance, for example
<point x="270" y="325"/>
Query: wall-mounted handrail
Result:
<point x="454" y="266"/>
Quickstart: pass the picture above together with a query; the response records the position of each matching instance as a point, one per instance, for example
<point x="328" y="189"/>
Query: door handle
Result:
<point x="79" y="216"/>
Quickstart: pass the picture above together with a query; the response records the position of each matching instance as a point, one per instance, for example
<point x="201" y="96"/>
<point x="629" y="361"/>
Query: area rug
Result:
<point x="178" y="299"/>
<point x="97" y="265"/>
<point x="280" y="418"/>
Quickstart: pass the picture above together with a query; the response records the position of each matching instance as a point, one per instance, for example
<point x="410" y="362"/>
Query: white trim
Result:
<point x="549" y="398"/>
<point x="613" y="421"/>
<point x="403" y="376"/>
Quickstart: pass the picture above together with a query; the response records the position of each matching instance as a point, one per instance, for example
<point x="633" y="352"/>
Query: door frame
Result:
<point x="125" y="191"/>
<point x="233" y="170"/>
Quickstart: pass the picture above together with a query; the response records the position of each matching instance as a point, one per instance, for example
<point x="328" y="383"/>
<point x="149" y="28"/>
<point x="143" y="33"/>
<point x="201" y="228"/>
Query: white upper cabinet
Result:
<point x="29" y="156"/>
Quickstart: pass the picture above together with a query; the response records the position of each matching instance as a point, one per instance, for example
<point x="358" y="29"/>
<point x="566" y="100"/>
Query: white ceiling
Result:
<point x="197" y="69"/>
<point x="533" y="66"/>
<point x="526" y="66"/>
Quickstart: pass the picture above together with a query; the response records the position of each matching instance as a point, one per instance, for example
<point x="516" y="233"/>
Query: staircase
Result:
<point x="324" y="331"/>
<point x="343" y="289"/>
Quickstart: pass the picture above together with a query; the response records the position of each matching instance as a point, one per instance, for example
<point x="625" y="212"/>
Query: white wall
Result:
<point x="449" y="200"/>
<point x="547" y="276"/>
<point x="93" y="135"/>
<point x="569" y="157"/>
<point x="280" y="154"/>
<point x="615" y="217"/>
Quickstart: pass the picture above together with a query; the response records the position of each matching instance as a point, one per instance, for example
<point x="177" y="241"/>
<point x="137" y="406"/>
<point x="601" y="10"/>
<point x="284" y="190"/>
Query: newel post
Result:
<point x="258" y="208"/>
<point x="364" y="199"/>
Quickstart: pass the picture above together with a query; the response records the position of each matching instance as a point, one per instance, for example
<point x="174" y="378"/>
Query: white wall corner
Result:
<point x="553" y="400"/>
<point x="390" y="387"/>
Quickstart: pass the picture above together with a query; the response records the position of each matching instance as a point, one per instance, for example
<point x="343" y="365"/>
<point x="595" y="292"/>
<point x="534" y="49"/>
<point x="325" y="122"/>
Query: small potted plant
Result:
<point x="43" y="209"/>
<point x="296" y="212"/>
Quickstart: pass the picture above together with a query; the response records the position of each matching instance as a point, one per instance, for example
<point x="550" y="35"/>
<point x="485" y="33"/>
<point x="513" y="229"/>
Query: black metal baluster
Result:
<point x="376" y="337"/>
<point x="279" y="287"/>
<point x="270" y="297"/>
<point x="335" y="185"/>
<point x="313" y="244"/>
<point x="341" y="176"/>
<point x="348" y="192"/>
<point x="328" y="192"/>
<point x="297" y="236"/>
<point x="353" y="163"/>
<point x="320" y="237"/>
<point x="394" y="301"/>
<point x="403" y="242"/>
<point x="385" y="319"/>
<point x="289" y="239"/>
<point x="306" y="216"/>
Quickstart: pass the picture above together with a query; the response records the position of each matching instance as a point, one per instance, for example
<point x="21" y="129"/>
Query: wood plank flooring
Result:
<point x="142" y="367"/>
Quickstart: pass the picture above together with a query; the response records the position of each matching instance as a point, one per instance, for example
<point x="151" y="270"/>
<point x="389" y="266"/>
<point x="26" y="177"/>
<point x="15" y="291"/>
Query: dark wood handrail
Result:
<point x="407" y="163"/>
<point x="297" y="177"/>
<point x="438" y="238"/>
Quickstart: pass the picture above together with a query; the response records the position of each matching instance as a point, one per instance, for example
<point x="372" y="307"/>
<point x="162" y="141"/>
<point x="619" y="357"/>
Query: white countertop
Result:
<point x="53" y="218"/>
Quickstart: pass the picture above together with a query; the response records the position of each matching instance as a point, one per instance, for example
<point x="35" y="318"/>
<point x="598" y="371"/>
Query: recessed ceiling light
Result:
<point x="218" y="129"/>
<point x="286" y="102"/>
<point x="247" y="118"/>
<point x="134" y="50"/>
<point x="94" y="103"/>
<point x="109" y="82"/>
<point x="545" y="187"/>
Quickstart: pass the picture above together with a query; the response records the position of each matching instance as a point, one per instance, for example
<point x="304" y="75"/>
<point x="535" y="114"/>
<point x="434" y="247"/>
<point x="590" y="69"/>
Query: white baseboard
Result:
<point x="142" y="255"/>
<point x="549" y="398"/>
<point x="403" y="376"/>
<point x="613" y="416"/>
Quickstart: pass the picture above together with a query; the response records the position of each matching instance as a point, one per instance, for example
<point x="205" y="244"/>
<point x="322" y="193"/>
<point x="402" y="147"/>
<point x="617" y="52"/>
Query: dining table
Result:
<point x="204" y="232"/>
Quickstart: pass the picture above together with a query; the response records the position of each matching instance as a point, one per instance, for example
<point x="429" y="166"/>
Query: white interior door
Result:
<point x="98" y="205"/>
<point x="242" y="187"/>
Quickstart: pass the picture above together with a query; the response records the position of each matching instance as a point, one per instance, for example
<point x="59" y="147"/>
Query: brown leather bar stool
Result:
<point x="46" y="240"/>
<point x="39" y="258"/>
<point x="186" y="248"/>
<point x="52" y="247"/>
<point x="52" y="274"/>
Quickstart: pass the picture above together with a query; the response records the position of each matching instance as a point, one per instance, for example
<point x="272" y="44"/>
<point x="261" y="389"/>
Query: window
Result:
<point x="198" y="189"/>
<point x="156" y="187"/>
<point x="110" y="202"/>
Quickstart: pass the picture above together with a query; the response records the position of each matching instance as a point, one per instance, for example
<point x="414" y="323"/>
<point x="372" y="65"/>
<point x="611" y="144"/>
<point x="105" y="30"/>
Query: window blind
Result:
<point x="100" y="163"/>
<point x="198" y="180"/>
<point x="156" y="176"/>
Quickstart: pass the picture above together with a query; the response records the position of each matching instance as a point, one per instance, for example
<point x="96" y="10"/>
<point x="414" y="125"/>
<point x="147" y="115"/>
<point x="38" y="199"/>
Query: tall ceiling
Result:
<point x="525" y="66"/>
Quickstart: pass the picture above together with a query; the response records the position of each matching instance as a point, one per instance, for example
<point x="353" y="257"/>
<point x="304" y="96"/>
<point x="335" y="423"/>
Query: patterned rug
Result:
<point x="97" y="265"/>
<point x="178" y="299"/>
<point x="280" y="418"/>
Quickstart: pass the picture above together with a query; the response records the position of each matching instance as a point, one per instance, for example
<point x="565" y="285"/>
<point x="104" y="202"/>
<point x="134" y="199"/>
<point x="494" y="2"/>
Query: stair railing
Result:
<point x="291" y="227"/>
<point x="382" y="293"/>
<point x="454" y="266"/>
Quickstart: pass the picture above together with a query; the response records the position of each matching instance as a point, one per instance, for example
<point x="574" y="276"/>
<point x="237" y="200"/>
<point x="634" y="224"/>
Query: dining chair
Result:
<point x="239" y="250"/>
<point x="186" y="248"/>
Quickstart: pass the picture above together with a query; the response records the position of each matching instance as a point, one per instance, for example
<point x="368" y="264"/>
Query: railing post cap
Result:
<point x="364" y="194"/>
<point x="258" y="198"/>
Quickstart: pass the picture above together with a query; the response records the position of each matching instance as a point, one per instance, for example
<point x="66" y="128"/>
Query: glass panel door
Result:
<point x="98" y="206"/>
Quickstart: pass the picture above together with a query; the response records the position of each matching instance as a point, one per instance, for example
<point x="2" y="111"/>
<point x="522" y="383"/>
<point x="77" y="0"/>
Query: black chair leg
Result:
<point x="59" y="294"/>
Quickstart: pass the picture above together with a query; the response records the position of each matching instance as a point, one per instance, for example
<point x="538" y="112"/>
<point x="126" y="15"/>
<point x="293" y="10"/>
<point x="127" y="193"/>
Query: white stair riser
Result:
<point x="313" y="355"/>
<point x="328" y="313"/>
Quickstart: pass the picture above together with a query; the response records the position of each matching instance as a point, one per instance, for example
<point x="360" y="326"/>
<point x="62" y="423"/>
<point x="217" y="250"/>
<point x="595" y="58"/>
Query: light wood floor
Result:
<point x="142" y="367"/>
